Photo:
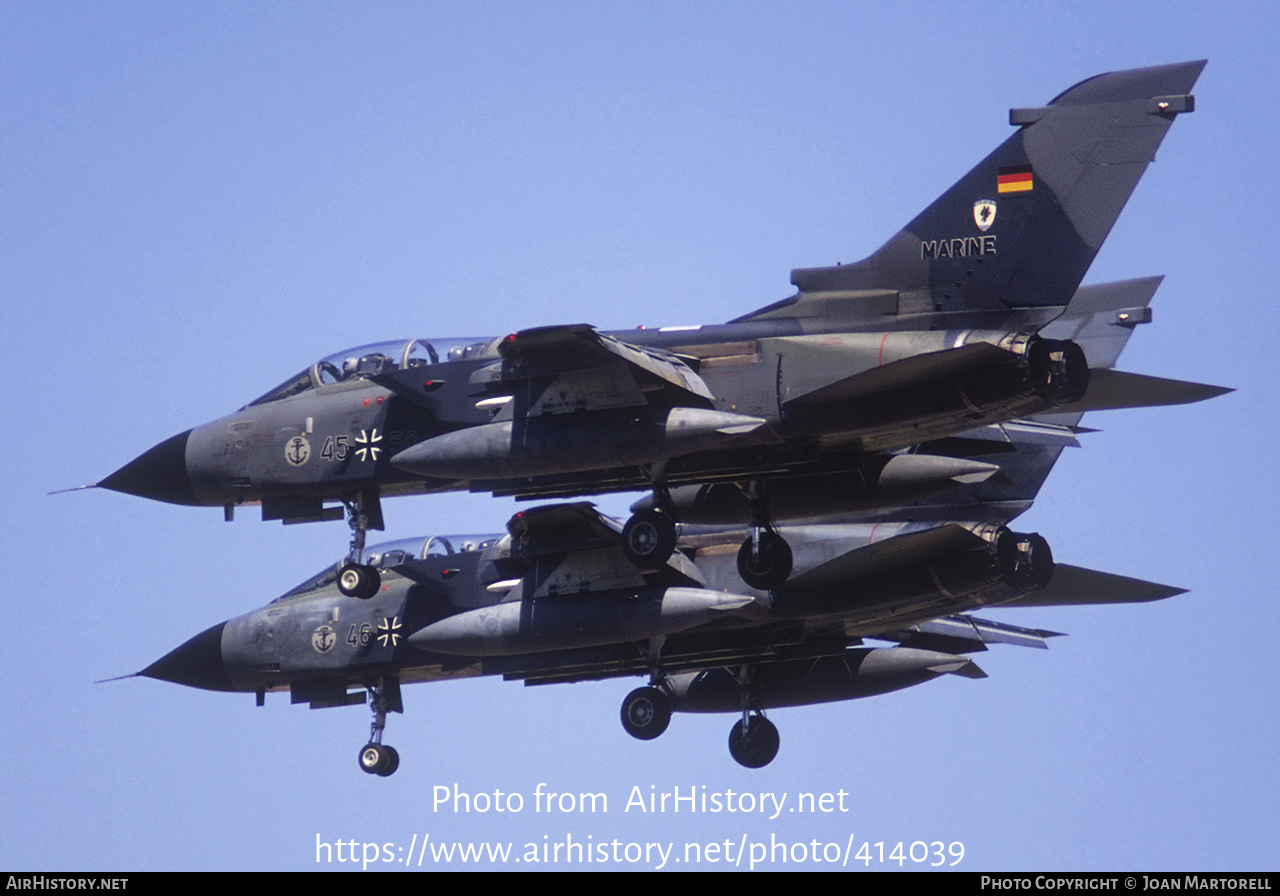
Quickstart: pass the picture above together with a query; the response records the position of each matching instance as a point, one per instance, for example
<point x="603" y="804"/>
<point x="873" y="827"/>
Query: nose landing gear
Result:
<point x="376" y="758"/>
<point x="356" y="579"/>
<point x="379" y="759"/>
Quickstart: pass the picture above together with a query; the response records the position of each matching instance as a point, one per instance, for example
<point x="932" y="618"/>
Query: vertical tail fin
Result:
<point x="1022" y="227"/>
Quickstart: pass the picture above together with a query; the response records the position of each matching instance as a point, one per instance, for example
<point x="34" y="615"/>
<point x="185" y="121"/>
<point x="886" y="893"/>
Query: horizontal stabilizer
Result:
<point x="1112" y="389"/>
<point x="1077" y="586"/>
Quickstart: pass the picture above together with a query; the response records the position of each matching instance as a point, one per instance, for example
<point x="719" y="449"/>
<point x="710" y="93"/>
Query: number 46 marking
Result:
<point x="360" y="635"/>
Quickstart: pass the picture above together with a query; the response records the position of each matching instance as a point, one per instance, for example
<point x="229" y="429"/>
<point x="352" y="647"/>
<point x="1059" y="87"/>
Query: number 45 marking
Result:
<point x="335" y="448"/>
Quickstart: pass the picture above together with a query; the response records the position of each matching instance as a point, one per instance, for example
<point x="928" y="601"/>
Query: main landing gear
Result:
<point x="376" y="758"/>
<point x="649" y="537"/>
<point x="646" y="712"/>
<point x="356" y="579"/>
<point x="753" y="742"/>
<point x="764" y="560"/>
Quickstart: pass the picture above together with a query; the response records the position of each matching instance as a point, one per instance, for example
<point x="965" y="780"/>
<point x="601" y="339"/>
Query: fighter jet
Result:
<point x="556" y="598"/>
<point x="945" y="328"/>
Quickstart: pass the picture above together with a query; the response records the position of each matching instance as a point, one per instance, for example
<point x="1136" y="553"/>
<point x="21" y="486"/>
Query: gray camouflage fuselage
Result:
<point x="932" y="335"/>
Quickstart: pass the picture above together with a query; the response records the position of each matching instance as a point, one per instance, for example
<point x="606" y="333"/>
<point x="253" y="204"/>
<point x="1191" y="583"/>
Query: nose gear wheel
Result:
<point x="357" y="579"/>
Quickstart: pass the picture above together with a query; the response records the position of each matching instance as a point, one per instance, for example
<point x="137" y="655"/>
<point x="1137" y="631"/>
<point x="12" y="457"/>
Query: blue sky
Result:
<point x="198" y="199"/>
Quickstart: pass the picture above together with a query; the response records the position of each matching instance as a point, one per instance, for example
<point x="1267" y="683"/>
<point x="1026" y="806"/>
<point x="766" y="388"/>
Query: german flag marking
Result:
<point x="1014" y="179"/>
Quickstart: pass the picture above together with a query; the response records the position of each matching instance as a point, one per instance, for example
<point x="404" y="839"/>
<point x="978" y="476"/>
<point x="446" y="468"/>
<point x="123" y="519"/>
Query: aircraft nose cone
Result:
<point x="159" y="474"/>
<point x="197" y="663"/>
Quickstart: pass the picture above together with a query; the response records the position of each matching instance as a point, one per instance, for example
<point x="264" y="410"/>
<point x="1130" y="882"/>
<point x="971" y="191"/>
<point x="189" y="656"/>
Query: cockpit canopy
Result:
<point x="378" y="357"/>
<point x="391" y="554"/>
